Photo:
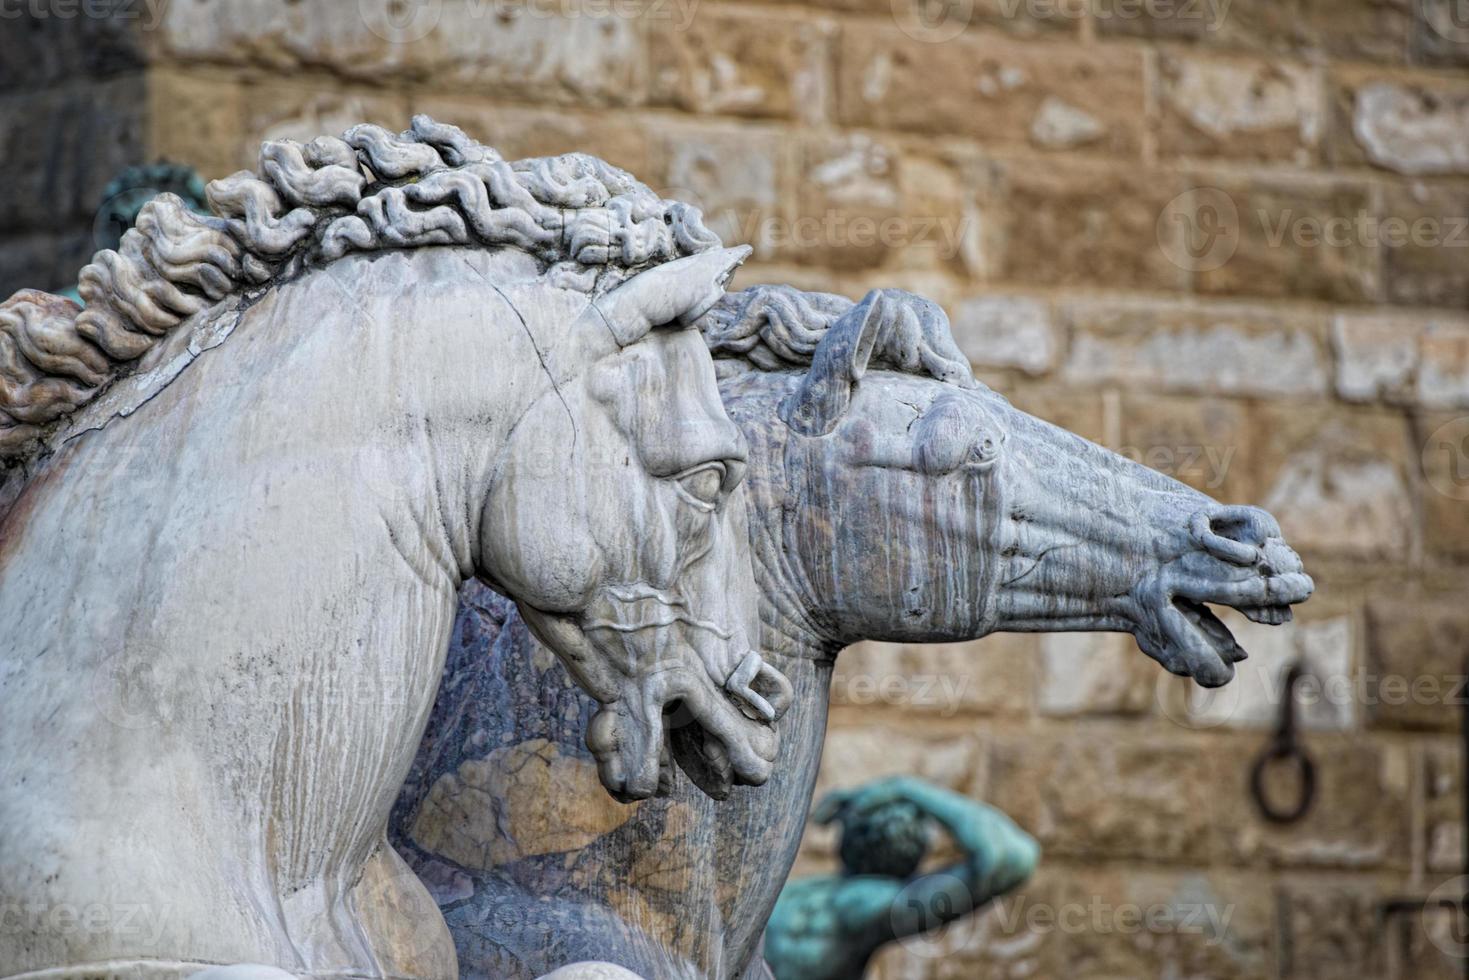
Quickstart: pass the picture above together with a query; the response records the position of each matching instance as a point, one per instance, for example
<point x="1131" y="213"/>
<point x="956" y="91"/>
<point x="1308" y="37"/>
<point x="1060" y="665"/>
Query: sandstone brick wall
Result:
<point x="1226" y="237"/>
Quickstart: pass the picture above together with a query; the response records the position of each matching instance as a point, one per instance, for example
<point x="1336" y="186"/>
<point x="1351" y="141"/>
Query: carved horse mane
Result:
<point x="778" y="329"/>
<point x="591" y="224"/>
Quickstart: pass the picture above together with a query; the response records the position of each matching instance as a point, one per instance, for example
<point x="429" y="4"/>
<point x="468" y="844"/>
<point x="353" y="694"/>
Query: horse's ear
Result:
<point x="841" y="357"/>
<point x="679" y="292"/>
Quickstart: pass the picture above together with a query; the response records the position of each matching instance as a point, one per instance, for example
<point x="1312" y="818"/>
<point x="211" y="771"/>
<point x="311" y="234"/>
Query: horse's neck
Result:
<point x="299" y="461"/>
<point x="792" y="623"/>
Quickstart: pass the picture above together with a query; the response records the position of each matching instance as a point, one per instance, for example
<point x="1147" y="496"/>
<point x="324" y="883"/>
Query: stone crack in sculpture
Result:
<point x="894" y="498"/>
<point x="247" y="482"/>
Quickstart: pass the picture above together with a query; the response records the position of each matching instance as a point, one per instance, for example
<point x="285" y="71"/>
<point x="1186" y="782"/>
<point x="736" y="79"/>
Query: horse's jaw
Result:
<point x="663" y="699"/>
<point x="1093" y="541"/>
<point x="1238" y="559"/>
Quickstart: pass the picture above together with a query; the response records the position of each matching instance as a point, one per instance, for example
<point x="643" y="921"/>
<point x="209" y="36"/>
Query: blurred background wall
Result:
<point x="1227" y="238"/>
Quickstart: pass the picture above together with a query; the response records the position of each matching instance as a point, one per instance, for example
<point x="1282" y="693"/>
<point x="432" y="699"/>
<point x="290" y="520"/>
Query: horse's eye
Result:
<point x="984" y="453"/>
<point x="702" y="485"/>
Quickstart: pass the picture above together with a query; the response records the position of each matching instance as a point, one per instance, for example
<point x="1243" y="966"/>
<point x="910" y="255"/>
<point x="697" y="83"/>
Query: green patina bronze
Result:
<point x="828" y="927"/>
<point x="132" y="188"/>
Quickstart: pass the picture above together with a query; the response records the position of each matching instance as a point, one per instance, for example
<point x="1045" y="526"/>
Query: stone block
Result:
<point x="1095" y="674"/>
<point x="728" y="62"/>
<point x="1331" y="927"/>
<point x="194" y="117"/>
<point x="1238" y="109"/>
<point x="29" y="261"/>
<point x="990" y="676"/>
<point x="1361" y="817"/>
<point x="1292" y="239"/>
<point x="1191" y="350"/>
<point x="930" y="23"/>
<point x="1365" y="30"/>
<point x="1440" y="36"/>
<point x="1204" y="442"/>
<point x="283" y="36"/>
<point x="858" y="754"/>
<point x="1443" y="373"/>
<point x="1377" y="356"/>
<point x="519" y="132"/>
<point x="1115" y="797"/>
<point x="1185" y="800"/>
<point x="573" y="53"/>
<point x="1416" y="126"/>
<point x="1070" y="406"/>
<point x="733" y="176"/>
<point x="1082" y="922"/>
<point x="1441" y="840"/>
<point x="293" y="110"/>
<point x="584" y="54"/>
<point x="1415" y="662"/>
<point x="1329" y="699"/>
<point x="48" y="44"/>
<point x="1402" y="358"/>
<point x="1338" y="481"/>
<point x="1427" y="945"/>
<point x="1425" y="245"/>
<point x="949" y="210"/>
<point x="849" y="206"/>
<point x="1073" y="225"/>
<point x="60" y="147"/>
<point x="1444" y="458"/>
<point x="1314" y="30"/>
<point x="1007" y="331"/>
<point x="998" y="91"/>
<point x="1157" y="923"/>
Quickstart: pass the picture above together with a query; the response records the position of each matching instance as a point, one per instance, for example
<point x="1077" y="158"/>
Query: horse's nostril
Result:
<point x="760" y="689"/>
<point x="1220" y="534"/>
<point x="739" y="684"/>
<point x="1247" y="525"/>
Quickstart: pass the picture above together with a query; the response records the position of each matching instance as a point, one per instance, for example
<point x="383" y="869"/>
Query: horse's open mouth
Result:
<point x="675" y="715"/>
<point x="760" y="694"/>
<point x="1187" y="638"/>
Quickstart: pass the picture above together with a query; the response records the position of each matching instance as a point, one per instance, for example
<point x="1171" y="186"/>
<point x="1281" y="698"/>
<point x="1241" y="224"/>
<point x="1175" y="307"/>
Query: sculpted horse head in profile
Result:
<point x="892" y="497"/>
<point x="247" y="482"/>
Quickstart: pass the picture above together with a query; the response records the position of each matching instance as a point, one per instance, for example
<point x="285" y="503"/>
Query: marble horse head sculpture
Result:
<point x="892" y="497"/>
<point x="247" y="482"/>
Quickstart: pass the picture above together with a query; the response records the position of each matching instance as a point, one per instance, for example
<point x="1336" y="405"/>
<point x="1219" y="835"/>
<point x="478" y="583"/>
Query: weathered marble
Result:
<point x="892" y="498"/>
<point x="256" y="470"/>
